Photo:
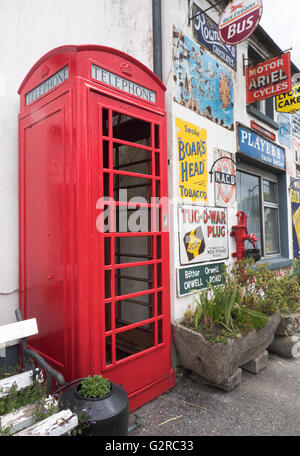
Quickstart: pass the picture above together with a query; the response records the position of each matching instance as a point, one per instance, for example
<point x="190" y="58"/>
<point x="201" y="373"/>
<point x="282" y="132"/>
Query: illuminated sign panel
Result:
<point x="118" y="82"/>
<point x="58" y="78"/>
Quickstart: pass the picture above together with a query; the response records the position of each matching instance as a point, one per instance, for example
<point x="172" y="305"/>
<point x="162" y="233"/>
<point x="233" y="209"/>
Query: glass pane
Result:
<point x="134" y="341"/>
<point x="134" y="310"/>
<point x="249" y="202"/>
<point x="131" y="129"/>
<point x="128" y="187"/>
<point x="132" y="159"/>
<point x="133" y="220"/>
<point x="270" y="191"/>
<point x="133" y="279"/>
<point x="271" y="230"/>
<point x="105" y="122"/>
<point x="108" y="350"/>
<point x="133" y="249"/>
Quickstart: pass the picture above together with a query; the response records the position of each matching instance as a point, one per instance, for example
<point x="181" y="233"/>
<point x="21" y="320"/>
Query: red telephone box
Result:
<point x="94" y="242"/>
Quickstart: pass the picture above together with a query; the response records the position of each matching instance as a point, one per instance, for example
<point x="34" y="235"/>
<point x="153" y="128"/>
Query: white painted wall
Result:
<point x="175" y="12"/>
<point x="29" y="29"/>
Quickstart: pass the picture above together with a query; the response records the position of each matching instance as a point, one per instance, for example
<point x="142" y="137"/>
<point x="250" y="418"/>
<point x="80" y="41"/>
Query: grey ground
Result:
<point x="267" y="404"/>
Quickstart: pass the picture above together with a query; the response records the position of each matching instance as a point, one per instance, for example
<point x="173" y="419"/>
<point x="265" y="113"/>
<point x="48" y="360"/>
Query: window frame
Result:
<point x="262" y="175"/>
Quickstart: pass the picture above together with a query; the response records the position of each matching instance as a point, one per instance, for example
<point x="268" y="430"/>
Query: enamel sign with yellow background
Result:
<point x="289" y="102"/>
<point x="192" y="161"/>
<point x="203" y="233"/>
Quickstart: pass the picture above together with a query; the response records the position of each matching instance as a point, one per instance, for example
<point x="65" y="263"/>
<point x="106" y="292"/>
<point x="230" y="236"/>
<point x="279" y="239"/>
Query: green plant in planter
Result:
<point x="262" y="290"/>
<point x="220" y="315"/>
<point x="93" y="387"/>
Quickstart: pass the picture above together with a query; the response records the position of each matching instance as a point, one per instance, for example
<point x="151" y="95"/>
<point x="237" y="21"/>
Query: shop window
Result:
<point x="264" y="109"/>
<point x="257" y="196"/>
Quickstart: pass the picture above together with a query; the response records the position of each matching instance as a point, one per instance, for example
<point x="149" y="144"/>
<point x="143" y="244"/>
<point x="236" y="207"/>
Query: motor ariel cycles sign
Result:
<point x="268" y="78"/>
<point x="238" y="20"/>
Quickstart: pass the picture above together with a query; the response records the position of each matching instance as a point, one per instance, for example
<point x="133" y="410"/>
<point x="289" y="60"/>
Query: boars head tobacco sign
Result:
<point x="269" y="78"/>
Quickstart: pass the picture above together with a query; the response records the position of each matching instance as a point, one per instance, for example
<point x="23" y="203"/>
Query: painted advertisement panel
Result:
<point x="296" y="124"/>
<point x="225" y="178"/>
<point x="284" y="130"/>
<point x="203" y="234"/>
<point x="268" y="78"/>
<point x="295" y="203"/>
<point x="201" y="82"/>
<point x="192" y="161"/>
<point x="196" y="278"/>
<point x="205" y="31"/>
<point x="296" y="146"/>
<point x="239" y="20"/>
<point x="259" y="148"/>
<point x="289" y="102"/>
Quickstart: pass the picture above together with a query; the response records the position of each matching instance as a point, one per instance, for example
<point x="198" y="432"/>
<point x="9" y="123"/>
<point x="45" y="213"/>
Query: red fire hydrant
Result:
<point x="241" y="235"/>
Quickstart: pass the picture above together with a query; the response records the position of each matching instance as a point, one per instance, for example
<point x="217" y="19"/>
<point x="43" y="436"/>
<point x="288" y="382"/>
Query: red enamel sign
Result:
<point x="269" y="78"/>
<point x="239" y="20"/>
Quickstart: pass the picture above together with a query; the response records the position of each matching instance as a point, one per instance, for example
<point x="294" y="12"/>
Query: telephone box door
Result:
<point x="131" y="251"/>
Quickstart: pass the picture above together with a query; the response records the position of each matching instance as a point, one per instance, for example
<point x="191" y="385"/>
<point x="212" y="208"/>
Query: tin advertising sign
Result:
<point x="259" y="148"/>
<point x="203" y="234"/>
<point x="295" y="202"/>
<point x="239" y="20"/>
<point x="196" y="278"/>
<point x="225" y="178"/>
<point x="202" y="82"/>
<point x="206" y="32"/>
<point x="289" y="102"/>
<point x="284" y="130"/>
<point x="269" y="78"/>
<point x="192" y="161"/>
<point x="296" y="124"/>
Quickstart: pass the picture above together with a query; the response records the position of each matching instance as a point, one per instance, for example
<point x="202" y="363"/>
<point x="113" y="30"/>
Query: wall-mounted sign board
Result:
<point x="295" y="206"/>
<point x="225" y="178"/>
<point x="239" y="20"/>
<point x="289" y="102"/>
<point x="205" y="31"/>
<point x="192" y="159"/>
<point x="262" y="130"/>
<point x="195" y="278"/>
<point x="203" y="234"/>
<point x="202" y="83"/>
<point x="268" y="78"/>
<point x="259" y="148"/>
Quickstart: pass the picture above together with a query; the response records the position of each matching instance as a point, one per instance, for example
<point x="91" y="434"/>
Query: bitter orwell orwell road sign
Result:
<point x="239" y="19"/>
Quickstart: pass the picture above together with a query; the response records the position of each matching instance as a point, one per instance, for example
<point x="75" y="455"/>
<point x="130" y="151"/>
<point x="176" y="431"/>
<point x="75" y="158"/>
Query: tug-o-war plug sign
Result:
<point x="203" y="234"/>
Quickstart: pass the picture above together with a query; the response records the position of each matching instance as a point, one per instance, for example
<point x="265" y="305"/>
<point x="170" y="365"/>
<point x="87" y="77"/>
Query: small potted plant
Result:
<point x="101" y="405"/>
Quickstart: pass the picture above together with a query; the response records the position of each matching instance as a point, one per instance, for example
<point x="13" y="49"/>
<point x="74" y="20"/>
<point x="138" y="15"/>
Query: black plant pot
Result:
<point x="105" y="416"/>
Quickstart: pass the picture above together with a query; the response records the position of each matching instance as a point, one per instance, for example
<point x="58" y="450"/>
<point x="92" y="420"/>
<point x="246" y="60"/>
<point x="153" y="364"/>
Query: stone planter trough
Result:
<point x="287" y="337"/>
<point x="219" y="361"/>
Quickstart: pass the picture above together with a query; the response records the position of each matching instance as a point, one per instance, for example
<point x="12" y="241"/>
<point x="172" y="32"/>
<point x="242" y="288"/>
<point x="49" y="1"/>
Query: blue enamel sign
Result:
<point x="260" y="148"/>
<point x="206" y="33"/>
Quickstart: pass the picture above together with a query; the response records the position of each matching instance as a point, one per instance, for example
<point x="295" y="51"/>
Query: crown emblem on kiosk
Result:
<point x="126" y="69"/>
<point x="44" y="71"/>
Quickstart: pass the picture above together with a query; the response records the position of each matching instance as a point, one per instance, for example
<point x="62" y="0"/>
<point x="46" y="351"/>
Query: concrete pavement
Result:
<point x="266" y="404"/>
